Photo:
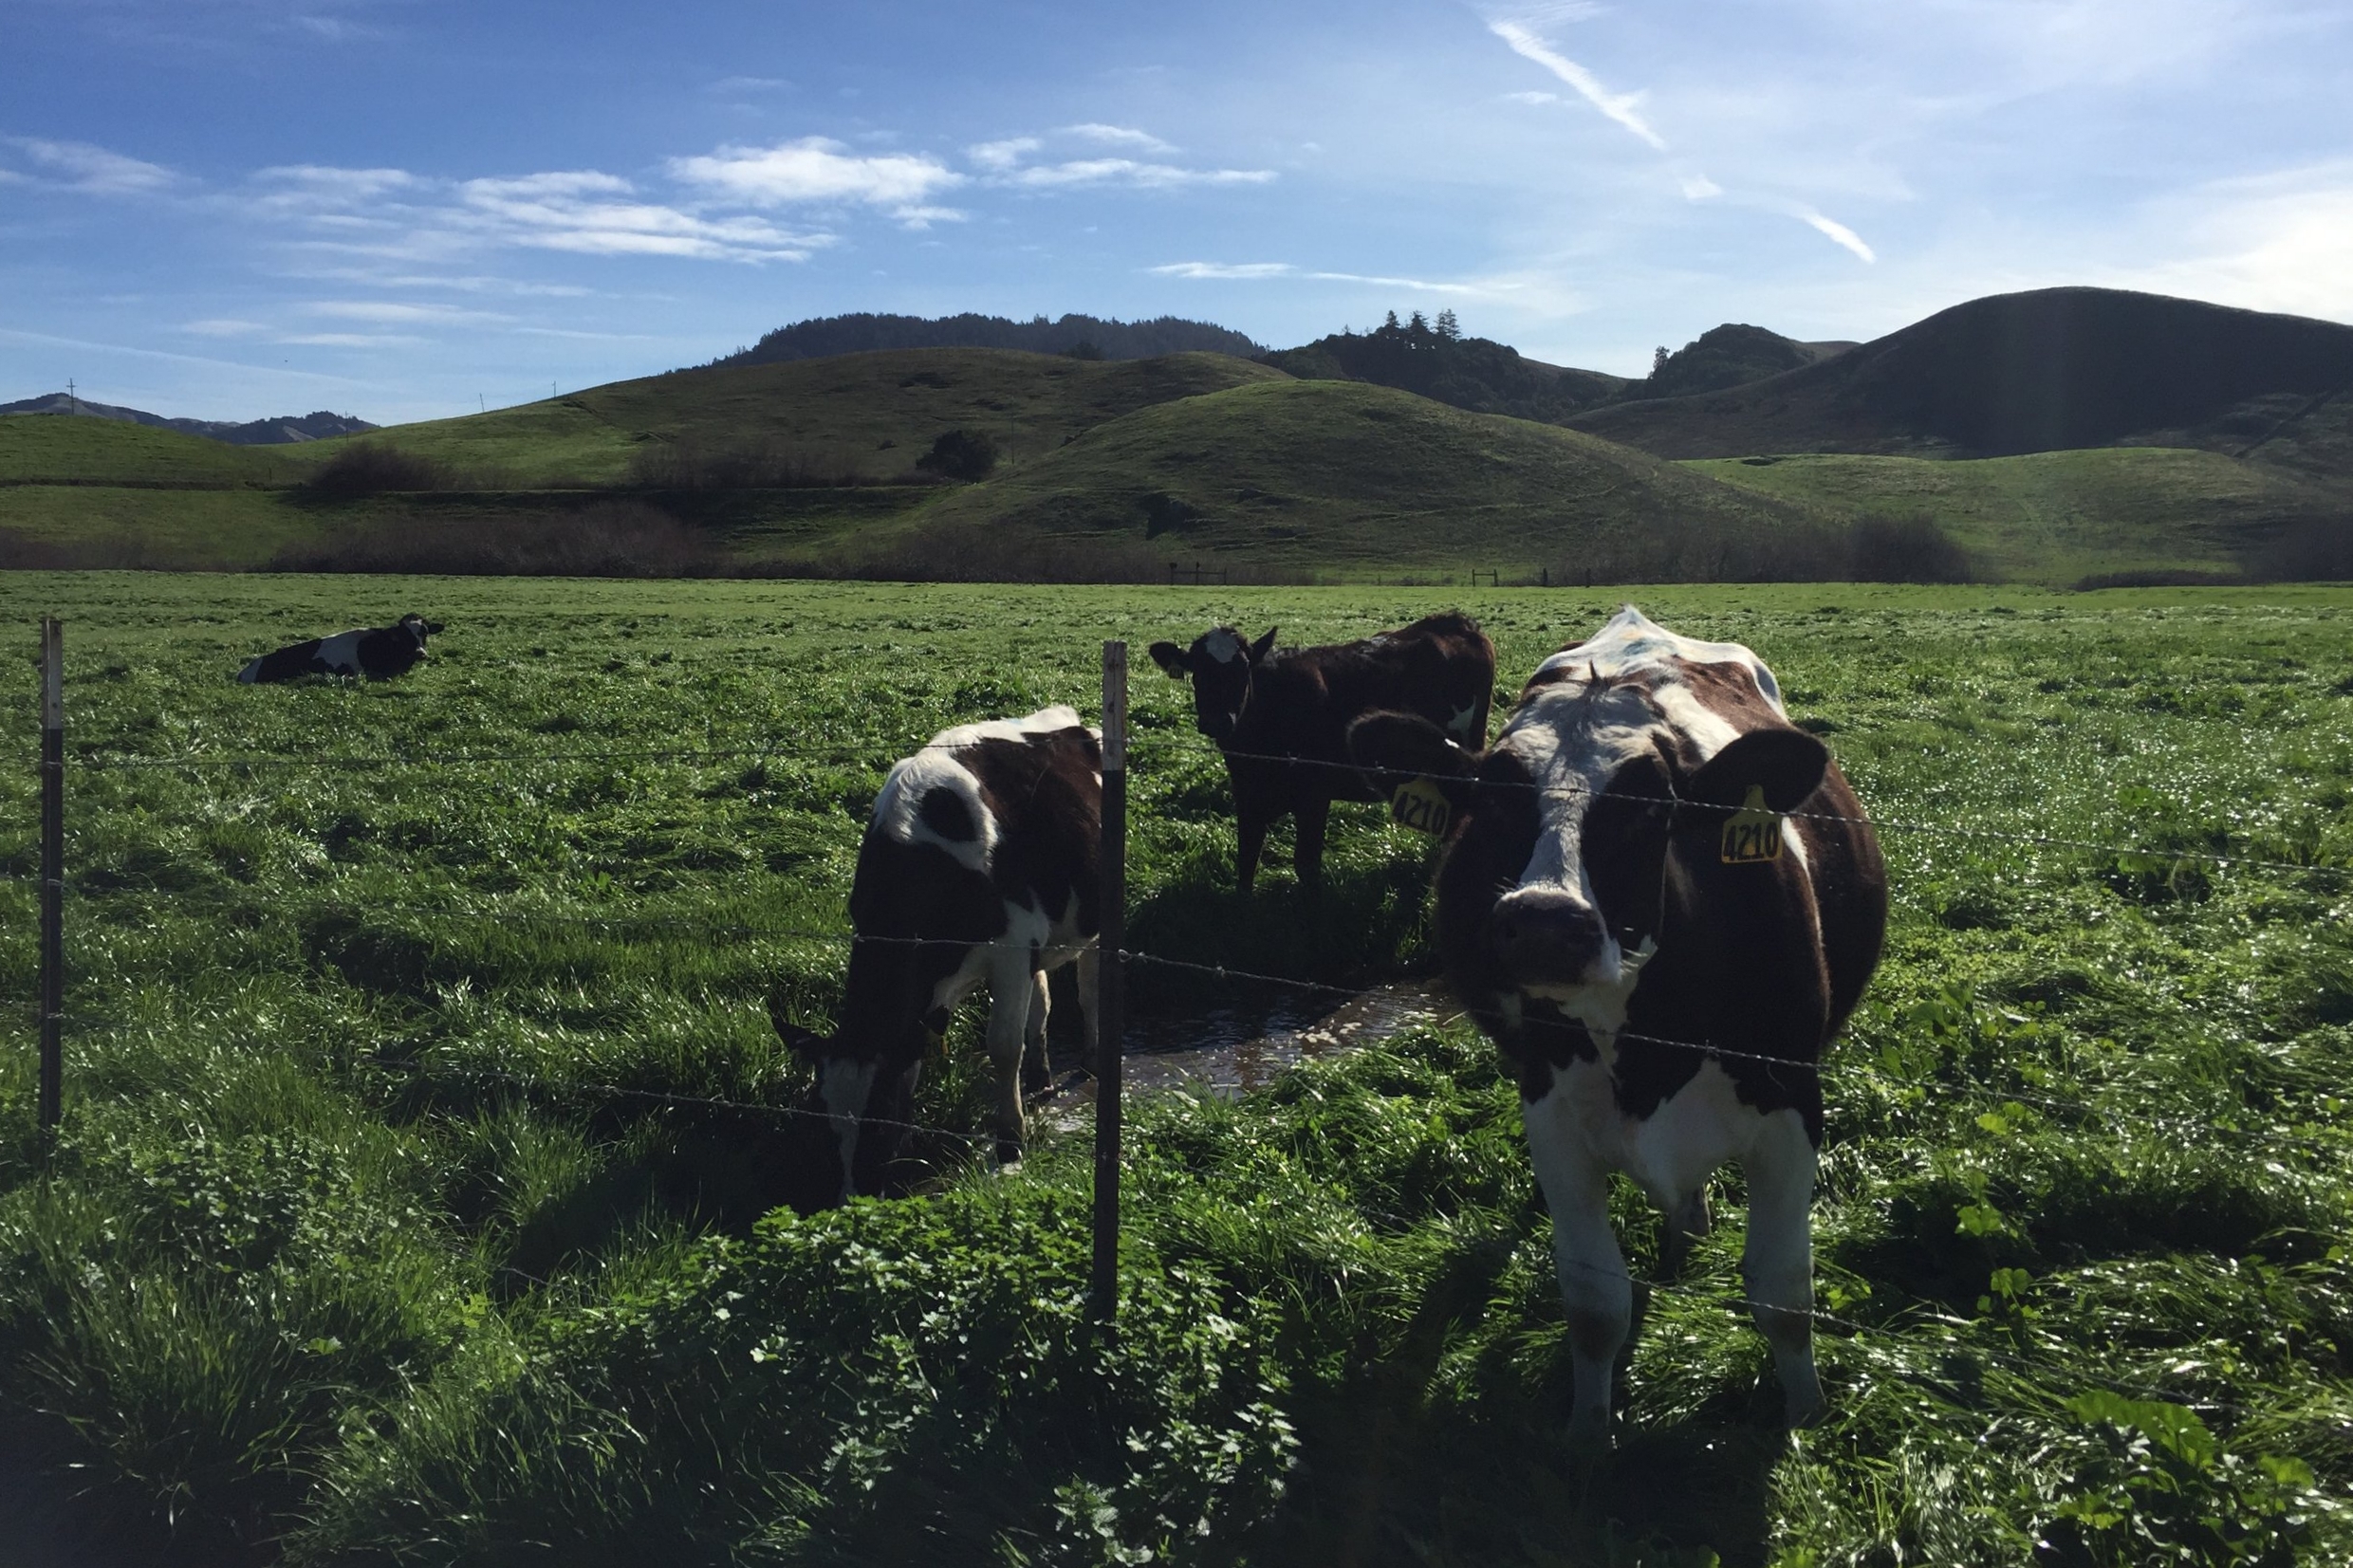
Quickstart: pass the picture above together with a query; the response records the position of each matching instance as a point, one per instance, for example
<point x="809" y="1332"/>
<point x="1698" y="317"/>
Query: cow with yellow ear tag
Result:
<point x="1662" y="900"/>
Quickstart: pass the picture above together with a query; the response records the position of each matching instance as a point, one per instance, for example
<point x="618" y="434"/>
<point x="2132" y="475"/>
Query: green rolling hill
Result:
<point x="1350" y="477"/>
<point x="59" y="449"/>
<point x="871" y="415"/>
<point x="2053" y="370"/>
<point x="2057" y="516"/>
<point x="1211" y="457"/>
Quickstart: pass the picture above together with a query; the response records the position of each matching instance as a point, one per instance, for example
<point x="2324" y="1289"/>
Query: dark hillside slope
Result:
<point x="2048" y="371"/>
<point x="869" y="413"/>
<point x="1343" y="477"/>
<point x="864" y="333"/>
<point x="1476" y="374"/>
<point x="1728" y="356"/>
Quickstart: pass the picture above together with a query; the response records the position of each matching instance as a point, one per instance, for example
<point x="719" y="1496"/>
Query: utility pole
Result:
<point x="73" y="403"/>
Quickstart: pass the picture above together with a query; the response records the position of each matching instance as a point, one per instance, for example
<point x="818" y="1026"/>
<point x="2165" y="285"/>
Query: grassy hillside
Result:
<point x="872" y="414"/>
<point x="2056" y="516"/>
<point x="1338" y="474"/>
<point x="2048" y="371"/>
<point x="49" y="449"/>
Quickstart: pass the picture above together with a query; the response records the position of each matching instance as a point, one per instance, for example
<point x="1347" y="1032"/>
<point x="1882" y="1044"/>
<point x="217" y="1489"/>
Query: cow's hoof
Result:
<point x="1589" y="1436"/>
<point x="1806" y="1412"/>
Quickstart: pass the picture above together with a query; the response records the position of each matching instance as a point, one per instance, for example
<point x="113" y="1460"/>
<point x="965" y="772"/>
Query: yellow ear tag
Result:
<point x="1420" y="806"/>
<point x="1752" y="834"/>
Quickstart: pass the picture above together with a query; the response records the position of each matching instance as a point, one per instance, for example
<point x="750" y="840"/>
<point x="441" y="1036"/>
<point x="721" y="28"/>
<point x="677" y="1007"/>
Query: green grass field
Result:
<point x="2056" y="516"/>
<point x="422" y="1111"/>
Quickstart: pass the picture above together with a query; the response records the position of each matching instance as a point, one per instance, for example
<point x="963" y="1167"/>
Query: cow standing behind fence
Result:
<point x="1267" y="706"/>
<point x="1662" y="955"/>
<point x="980" y="863"/>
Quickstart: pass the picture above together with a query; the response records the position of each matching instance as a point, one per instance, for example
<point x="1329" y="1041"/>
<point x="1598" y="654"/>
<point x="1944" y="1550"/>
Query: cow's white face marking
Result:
<point x="1460" y="725"/>
<point x="1612" y="697"/>
<point x="340" y="652"/>
<point x="1222" y="645"/>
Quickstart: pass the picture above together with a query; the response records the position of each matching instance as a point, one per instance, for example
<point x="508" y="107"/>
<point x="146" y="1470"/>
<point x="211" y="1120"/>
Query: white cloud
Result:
<point x="1837" y="232"/>
<point x="392" y="213"/>
<point x="1003" y="162"/>
<point x="1531" y="97"/>
<point x="2279" y="241"/>
<point x="586" y="213"/>
<point x="1119" y="136"/>
<point x="1225" y="269"/>
<point x="1127" y="171"/>
<point x="222" y="326"/>
<point x="390" y="310"/>
<point x="1003" y="155"/>
<point x="1621" y="107"/>
<point x="1249" y="270"/>
<point x="347" y="339"/>
<point x="1698" y="187"/>
<point x="729" y="85"/>
<point x="80" y="166"/>
<point x="817" y="169"/>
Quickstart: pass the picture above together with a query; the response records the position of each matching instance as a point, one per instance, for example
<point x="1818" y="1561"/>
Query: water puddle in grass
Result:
<point x="1245" y="1040"/>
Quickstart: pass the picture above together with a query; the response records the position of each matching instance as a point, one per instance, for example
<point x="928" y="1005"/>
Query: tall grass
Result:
<point x="418" y="1197"/>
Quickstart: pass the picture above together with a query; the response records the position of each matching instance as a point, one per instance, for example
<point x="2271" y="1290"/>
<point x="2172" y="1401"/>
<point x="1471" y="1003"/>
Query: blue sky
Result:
<point x="398" y="208"/>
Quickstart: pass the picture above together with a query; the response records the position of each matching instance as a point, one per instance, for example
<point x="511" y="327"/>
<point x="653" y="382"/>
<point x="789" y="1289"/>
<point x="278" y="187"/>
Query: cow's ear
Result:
<point x="804" y="1043"/>
<point x="1258" y="649"/>
<point x="1393" y="748"/>
<point x="1786" y="765"/>
<point x="432" y="628"/>
<point x="1171" y="658"/>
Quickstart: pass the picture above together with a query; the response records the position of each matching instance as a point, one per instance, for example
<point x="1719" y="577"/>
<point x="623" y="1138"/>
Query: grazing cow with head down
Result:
<point x="376" y="652"/>
<point x="978" y="863"/>
<point x="1265" y="706"/>
<point x="1660" y="955"/>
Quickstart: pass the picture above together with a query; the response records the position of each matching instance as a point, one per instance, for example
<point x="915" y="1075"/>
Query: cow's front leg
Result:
<point x="1250" y="822"/>
<point x="1036" y="1072"/>
<point x="1011" y="995"/>
<point x="1307" y="820"/>
<point x="1594" y="1284"/>
<point x="1778" y="1263"/>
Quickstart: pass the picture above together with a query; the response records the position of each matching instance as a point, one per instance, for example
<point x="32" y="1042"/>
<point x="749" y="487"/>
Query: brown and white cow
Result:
<point x="978" y="863"/>
<point x="1661" y="956"/>
<point x="1266" y="705"/>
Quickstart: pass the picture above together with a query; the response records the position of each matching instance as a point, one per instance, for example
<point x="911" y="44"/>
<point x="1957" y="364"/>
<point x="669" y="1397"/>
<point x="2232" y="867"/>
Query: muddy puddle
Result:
<point x="1245" y="1038"/>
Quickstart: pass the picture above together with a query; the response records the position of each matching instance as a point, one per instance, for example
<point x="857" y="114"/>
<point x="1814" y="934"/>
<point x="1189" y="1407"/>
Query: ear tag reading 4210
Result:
<point x="1752" y="834"/>
<point x="1420" y="806"/>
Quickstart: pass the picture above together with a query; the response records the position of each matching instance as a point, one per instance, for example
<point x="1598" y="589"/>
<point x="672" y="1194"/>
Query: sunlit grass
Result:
<point x="420" y="1112"/>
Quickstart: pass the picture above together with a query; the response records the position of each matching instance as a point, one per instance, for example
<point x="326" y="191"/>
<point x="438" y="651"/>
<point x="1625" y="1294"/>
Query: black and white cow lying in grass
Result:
<point x="1265" y="705"/>
<point x="376" y="652"/>
<point x="1661" y="956"/>
<point x="978" y="863"/>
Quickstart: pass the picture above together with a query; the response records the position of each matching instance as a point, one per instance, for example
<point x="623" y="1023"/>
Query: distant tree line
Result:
<point x="1436" y="359"/>
<point x="1080" y="337"/>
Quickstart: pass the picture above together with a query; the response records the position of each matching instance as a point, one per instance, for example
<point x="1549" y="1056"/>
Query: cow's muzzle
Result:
<point x="1548" y="936"/>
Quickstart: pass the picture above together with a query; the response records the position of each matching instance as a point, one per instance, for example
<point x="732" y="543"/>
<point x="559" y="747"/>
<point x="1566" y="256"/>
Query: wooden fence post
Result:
<point x="1111" y="925"/>
<point x="52" y="869"/>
